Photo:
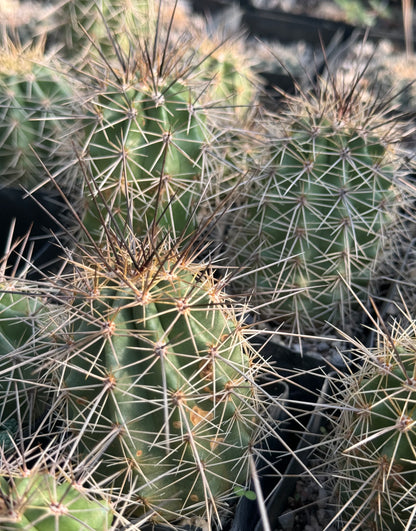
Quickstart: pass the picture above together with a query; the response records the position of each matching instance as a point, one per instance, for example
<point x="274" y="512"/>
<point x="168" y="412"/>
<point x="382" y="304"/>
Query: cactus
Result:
<point x="82" y="27"/>
<point x="36" y="500"/>
<point x="148" y="147"/>
<point x="157" y="382"/>
<point x="151" y="148"/>
<point x="371" y="446"/>
<point x="35" y="113"/>
<point x="319" y="209"/>
<point x="22" y="394"/>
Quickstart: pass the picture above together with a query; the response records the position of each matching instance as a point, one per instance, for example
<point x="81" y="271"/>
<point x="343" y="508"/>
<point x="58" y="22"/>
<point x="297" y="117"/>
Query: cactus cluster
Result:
<point x="132" y="366"/>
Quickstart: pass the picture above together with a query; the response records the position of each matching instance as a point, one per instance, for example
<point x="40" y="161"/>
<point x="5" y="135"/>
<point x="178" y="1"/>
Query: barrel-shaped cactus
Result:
<point x="37" y="500"/>
<point x="320" y="208"/>
<point x="157" y="383"/>
<point x="372" y="444"/>
<point x="147" y="147"/>
<point x="36" y="106"/>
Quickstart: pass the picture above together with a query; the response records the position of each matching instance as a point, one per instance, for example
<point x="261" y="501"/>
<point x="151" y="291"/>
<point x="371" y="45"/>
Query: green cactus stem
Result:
<point x="372" y="443"/>
<point x="321" y="209"/>
<point x="159" y="382"/>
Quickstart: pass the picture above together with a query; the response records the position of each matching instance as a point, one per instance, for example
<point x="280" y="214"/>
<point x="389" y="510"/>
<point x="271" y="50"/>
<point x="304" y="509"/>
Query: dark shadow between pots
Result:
<point x="305" y="379"/>
<point x="30" y="230"/>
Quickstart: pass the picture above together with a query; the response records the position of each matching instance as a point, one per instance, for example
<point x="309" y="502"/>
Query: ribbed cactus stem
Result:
<point x="373" y="440"/>
<point x="159" y="381"/>
<point x="321" y="209"/>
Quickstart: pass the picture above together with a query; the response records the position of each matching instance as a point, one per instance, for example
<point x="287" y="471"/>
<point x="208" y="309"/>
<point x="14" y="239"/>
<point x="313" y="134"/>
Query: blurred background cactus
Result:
<point x="79" y="29"/>
<point x="22" y="21"/>
<point x="36" y="107"/>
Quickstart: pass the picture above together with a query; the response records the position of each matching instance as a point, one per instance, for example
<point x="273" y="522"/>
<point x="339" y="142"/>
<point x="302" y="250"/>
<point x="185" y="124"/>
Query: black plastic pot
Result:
<point x="306" y="388"/>
<point x="291" y="27"/>
<point x="277" y="504"/>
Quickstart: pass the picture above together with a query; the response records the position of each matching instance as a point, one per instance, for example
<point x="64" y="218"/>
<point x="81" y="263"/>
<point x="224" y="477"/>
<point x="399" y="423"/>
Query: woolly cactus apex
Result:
<point x="372" y="444"/>
<point x="147" y="149"/>
<point x="39" y="500"/>
<point x="34" y="118"/>
<point x="159" y="382"/>
<point x="317" y="218"/>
